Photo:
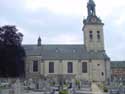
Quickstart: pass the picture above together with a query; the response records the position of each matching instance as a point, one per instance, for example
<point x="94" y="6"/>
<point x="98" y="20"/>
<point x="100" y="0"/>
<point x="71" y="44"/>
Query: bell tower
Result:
<point x="93" y="29"/>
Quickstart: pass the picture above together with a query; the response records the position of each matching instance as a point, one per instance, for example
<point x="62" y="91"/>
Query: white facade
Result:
<point x="97" y="70"/>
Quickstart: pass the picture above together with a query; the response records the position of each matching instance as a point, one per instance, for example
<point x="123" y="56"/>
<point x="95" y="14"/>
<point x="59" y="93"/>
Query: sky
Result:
<point x="61" y="21"/>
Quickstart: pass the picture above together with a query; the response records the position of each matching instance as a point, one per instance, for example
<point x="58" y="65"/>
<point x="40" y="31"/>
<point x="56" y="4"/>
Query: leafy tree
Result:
<point x="12" y="53"/>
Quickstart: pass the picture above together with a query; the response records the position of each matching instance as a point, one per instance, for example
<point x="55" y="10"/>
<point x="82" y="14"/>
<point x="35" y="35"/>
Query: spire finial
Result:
<point x="91" y="8"/>
<point x="39" y="41"/>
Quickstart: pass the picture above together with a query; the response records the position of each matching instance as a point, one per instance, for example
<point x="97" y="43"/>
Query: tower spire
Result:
<point x="91" y="8"/>
<point x="39" y="41"/>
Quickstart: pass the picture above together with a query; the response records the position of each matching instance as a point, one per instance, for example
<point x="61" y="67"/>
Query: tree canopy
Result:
<point x="12" y="53"/>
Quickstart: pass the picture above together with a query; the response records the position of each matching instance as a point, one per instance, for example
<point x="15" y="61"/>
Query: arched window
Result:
<point x="70" y="67"/>
<point x="35" y="66"/>
<point x="90" y="35"/>
<point x="98" y="35"/>
<point x="84" y="67"/>
<point x="51" y="67"/>
<point x="102" y="73"/>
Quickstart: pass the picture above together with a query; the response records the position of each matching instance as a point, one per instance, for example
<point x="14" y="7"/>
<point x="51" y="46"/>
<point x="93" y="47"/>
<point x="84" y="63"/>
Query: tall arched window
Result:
<point x="84" y="67"/>
<point x="51" y="67"/>
<point x="98" y="35"/>
<point x="35" y="66"/>
<point x="70" y="67"/>
<point x="90" y="35"/>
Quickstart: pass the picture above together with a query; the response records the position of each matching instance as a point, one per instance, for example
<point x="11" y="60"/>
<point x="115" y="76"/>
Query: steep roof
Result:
<point x="117" y="64"/>
<point x="65" y="52"/>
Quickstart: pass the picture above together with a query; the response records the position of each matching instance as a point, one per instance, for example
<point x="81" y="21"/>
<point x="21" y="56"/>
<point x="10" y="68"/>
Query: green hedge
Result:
<point x="77" y="82"/>
<point x="63" y="92"/>
<point x="103" y="87"/>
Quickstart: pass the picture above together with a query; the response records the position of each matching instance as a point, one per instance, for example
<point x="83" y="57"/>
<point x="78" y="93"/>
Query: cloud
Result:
<point x="66" y="39"/>
<point x="3" y="22"/>
<point x="115" y="35"/>
<point x="120" y="20"/>
<point x="74" y="7"/>
<point x="64" y="7"/>
<point x="60" y="21"/>
<point x="29" y="38"/>
<point x="106" y="7"/>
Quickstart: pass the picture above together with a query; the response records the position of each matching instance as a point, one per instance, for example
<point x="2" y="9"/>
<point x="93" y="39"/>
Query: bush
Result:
<point x="77" y="82"/>
<point x="63" y="92"/>
<point x="52" y="83"/>
<point x="105" y="89"/>
<point x="101" y="86"/>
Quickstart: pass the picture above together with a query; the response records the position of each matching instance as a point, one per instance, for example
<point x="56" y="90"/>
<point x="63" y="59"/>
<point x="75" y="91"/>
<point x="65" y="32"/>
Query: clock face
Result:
<point x="93" y="20"/>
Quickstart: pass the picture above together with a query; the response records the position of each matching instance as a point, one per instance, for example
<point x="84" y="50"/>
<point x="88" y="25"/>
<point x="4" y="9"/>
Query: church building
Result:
<point x="87" y="61"/>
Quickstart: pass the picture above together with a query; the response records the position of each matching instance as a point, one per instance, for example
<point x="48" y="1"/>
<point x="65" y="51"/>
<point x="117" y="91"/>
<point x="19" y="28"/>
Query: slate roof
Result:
<point x="63" y="52"/>
<point x="117" y="64"/>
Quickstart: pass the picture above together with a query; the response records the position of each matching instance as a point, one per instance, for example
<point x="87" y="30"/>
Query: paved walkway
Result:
<point x="96" y="89"/>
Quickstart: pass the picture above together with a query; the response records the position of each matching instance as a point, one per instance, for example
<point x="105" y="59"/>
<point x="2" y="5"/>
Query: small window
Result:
<point x="70" y="67"/>
<point x="98" y="35"/>
<point x="90" y="35"/>
<point x="35" y="66"/>
<point x="84" y="67"/>
<point x="90" y="60"/>
<point x="102" y="73"/>
<point x="57" y="50"/>
<point x="98" y="64"/>
<point x="51" y="67"/>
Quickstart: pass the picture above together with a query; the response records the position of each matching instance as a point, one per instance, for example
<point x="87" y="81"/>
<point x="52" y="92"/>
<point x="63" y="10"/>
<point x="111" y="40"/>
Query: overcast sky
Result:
<point x="60" y="21"/>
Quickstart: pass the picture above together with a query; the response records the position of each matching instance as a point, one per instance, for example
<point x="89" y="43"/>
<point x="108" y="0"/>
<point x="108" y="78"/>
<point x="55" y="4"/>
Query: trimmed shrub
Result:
<point x="63" y="92"/>
<point x="77" y="82"/>
<point x="105" y="89"/>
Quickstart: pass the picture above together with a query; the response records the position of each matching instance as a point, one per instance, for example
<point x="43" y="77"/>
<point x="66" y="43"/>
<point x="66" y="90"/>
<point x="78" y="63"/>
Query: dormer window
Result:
<point x="90" y="35"/>
<point x="57" y="50"/>
<point x="98" y="35"/>
<point x="74" y="50"/>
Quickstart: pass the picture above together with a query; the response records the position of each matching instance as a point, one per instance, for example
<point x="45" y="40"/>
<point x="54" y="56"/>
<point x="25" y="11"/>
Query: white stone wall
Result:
<point x="42" y="68"/>
<point x="60" y="67"/>
<point x="108" y="68"/>
<point x="29" y="66"/>
<point x="97" y="67"/>
<point x="94" y="68"/>
<point x="82" y="75"/>
<point x="95" y="44"/>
